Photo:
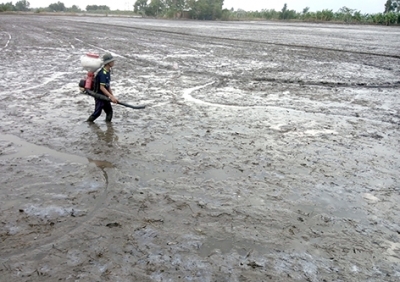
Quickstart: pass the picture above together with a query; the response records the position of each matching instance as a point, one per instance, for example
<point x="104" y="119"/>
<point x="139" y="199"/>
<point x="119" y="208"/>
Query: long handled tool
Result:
<point x="105" y="98"/>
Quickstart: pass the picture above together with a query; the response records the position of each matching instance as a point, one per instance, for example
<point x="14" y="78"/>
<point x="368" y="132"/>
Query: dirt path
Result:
<point x="266" y="152"/>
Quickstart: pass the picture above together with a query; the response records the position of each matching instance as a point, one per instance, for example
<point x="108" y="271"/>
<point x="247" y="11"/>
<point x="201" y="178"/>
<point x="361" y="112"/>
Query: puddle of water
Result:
<point x="108" y="135"/>
<point x="25" y="149"/>
<point x="102" y="164"/>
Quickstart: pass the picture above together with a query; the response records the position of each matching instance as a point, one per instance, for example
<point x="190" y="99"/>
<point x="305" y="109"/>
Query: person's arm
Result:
<point x="110" y="90"/>
<point x="108" y="93"/>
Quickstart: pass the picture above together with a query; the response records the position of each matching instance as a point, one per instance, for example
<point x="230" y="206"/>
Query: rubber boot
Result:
<point x="109" y="117"/>
<point x="90" y="119"/>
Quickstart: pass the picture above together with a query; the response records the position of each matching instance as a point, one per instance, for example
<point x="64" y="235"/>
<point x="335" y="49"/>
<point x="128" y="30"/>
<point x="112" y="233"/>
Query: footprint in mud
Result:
<point x="113" y="224"/>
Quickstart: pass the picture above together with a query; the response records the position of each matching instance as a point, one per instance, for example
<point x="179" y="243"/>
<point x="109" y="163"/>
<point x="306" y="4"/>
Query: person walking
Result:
<point x="102" y="86"/>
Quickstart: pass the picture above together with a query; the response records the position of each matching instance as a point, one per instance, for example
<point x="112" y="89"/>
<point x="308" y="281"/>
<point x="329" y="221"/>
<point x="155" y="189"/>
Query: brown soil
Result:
<point x="266" y="152"/>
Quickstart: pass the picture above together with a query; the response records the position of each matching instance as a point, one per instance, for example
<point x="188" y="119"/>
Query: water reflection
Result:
<point x="108" y="136"/>
<point x="105" y="139"/>
<point x="14" y="147"/>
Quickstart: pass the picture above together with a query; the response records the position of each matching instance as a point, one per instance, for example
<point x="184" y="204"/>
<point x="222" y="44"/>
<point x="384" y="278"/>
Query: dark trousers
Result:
<point x="101" y="105"/>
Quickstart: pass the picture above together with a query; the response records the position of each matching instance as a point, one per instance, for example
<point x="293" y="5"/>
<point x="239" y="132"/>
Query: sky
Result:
<point x="364" y="6"/>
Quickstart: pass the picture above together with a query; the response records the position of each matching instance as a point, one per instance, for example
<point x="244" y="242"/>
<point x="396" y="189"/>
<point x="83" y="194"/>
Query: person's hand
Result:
<point x="114" y="100"/>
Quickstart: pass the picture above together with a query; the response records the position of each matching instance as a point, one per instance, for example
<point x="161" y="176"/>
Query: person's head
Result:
<point x="108" y="60"/>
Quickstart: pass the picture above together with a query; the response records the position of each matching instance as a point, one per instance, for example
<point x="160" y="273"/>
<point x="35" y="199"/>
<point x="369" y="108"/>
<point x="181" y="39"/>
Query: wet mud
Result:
<point x="266" y="152"/>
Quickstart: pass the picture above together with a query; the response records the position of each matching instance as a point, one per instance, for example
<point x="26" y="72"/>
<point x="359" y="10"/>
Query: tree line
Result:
<point x="24" y="6"/>
<point x="194" y="9"/>
<point x="212" y="10"/>
<point x="390" y="16"/>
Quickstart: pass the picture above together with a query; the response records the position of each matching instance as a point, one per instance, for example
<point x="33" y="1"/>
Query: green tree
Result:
<point x="357" y="16"/>
<point x="390" y="18"/>
<point x="283" y="11"/>
<point x="325" y="15"/>
<point x="4" y="7"/>
<point x="22" y="5"/>
<point x="392" y="6"/>
<point x="176" y="5"/>
<point x="388" y="6"/>
<point x="226" y="14"/>
<point x="270" y="14"/>
<point x="345" y="14"/>
<point x="74" y="9"/>
<point x="378" y="18"/>
<point x="287" y="14"/>
<point x="97" y="8"/>
<point x="173" y="7"/>
<point x="205" y="9"/>
<point x="57" y="7"/>
<point x="155" y="8"/>
<point x="140" y="6"/>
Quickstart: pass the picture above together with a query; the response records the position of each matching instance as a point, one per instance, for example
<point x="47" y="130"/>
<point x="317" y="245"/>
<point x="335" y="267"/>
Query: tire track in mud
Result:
<point x="62" y="232"/>
<point x="197" y="36"/>
<point x="45" y="75"/>
<point x="187" y="95"/>
<point x="327" y="84"/>
<point x="52" y="240"/>
<point x="8" y="41"/>
<point x="259" y="79"/>
<point x="52" y="78"/>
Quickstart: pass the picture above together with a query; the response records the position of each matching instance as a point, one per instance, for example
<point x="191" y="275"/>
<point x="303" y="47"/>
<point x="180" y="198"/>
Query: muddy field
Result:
<point x="266" y="152"/>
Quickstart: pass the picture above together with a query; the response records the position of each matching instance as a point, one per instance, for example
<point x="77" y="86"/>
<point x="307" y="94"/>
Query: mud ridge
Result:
<point x="330" y="84"/>
<point x="196" y="36"/>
